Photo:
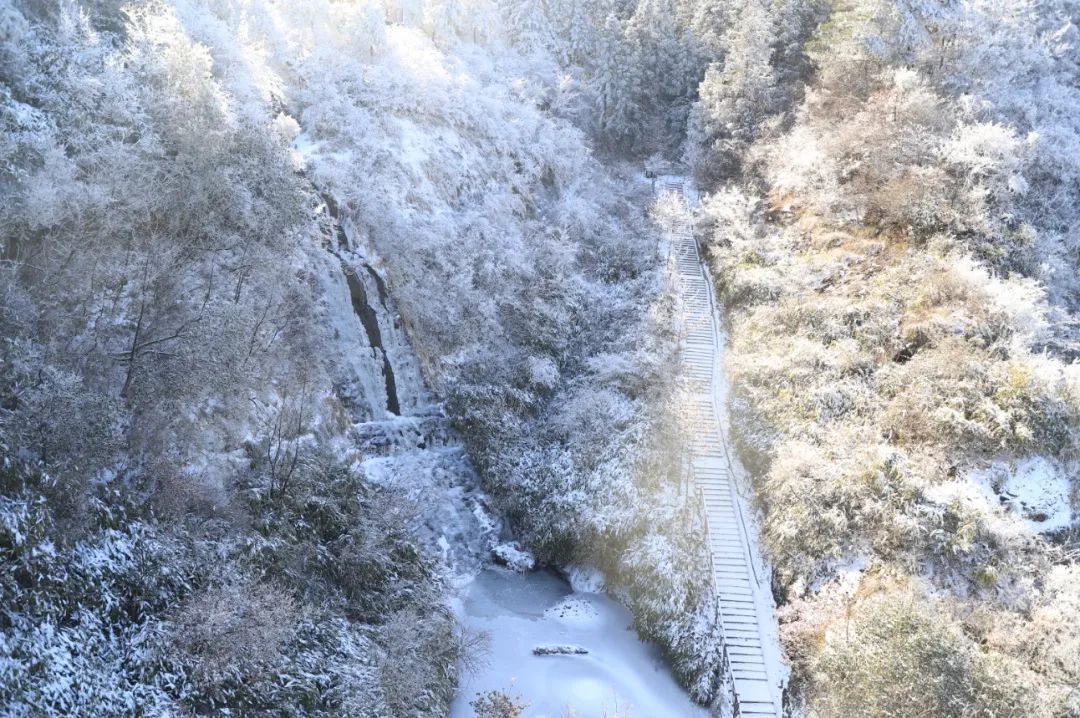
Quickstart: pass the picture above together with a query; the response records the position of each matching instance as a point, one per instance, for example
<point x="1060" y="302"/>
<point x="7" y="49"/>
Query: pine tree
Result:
<point x="576" y="23"/>
<point x="657" y="50"/>
<point x="444" y="19"/>
<point x="708" y="23"/>
<point x="527" y="23"/>
<point x="738" y="93"/>
<point x="613" y="80"/>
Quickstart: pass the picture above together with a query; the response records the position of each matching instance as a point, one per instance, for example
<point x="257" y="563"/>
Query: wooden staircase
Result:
<point x="741" y="598"/>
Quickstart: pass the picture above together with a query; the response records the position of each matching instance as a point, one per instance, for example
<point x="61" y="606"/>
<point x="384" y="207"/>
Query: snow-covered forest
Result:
<point x="311" y="310"/>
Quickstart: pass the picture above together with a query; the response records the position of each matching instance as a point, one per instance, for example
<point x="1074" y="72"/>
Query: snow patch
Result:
<point x="972" y="493"/>
<point x="574" y="611"/>
<point x="843" y="575"/>
<point x="1039" y="491"/>
<point x="1034" y="490"/>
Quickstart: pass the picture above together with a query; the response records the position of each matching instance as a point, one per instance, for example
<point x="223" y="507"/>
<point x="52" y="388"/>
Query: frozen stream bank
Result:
<point x="619" y="675"/>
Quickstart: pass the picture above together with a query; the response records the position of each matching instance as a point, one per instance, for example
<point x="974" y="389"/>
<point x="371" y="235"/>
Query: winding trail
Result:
<point x="746" y="611"/>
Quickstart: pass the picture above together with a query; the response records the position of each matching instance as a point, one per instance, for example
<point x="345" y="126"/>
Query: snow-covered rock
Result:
<point x="559" y="650"/>
<point x="514" y="557"/>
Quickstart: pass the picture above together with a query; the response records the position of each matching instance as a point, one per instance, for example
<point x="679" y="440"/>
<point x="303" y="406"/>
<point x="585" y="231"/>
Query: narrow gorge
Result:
<point x="539" y="359"/>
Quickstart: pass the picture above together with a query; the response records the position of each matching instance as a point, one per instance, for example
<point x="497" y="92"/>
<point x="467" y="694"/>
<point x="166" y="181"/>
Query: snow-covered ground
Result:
<point x="619" y="675"/>
<point x="1029" y="495"/>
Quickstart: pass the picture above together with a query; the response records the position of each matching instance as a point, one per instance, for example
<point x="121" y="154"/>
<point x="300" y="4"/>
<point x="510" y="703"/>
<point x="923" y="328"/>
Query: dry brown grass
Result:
<point x="872" y="369"/>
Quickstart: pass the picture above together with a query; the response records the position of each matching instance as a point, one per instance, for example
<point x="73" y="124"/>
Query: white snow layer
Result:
<point x="1033" y="492"/>
<point x="514" y="557"/>
<point x="1039" y="490"/>
<point x="522" y="613"/>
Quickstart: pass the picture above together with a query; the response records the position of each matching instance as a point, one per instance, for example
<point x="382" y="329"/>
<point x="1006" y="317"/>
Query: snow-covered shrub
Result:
<point x="230" y="633"/>
<point x="955" y="394"/>
<point x="672" y="601"/>
<point x="77" y="616"/>
<point x="879" y="347"/>
<point x="498" y="704"/>
<point x="1047" y="634"/>
<point x="421" y="656"/>
<point x="146" y="615"/>
<point x="746" y="274"/>
<point x="50" y="412"/>
<point x="332" y="526"/>
<point x="901" y="649"/>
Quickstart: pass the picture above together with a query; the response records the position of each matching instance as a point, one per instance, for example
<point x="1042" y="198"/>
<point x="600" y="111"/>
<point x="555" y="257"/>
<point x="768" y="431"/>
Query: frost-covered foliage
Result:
<point x="143" y="617"/>
<point x="174" y="539"/>
<point x="756" y="66"/>
<point x="197" y="198"/>
<point x="524" y="273"/>
<point x="926" y="117"/>
<point x="902" y="649"/>
<point x="946" y="118"/>
<point x="629" y="68"/>
<point x="237" y="234"/>
<point x="899" y="298"/>
<point x="872" y="380"/>
<point x="638" y="74"/>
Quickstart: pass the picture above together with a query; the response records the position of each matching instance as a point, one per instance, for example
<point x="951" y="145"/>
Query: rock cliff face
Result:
<point x="398" y="435"/>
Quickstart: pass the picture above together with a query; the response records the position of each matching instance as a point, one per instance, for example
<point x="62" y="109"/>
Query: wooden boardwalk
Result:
<point x="742" y="599"/>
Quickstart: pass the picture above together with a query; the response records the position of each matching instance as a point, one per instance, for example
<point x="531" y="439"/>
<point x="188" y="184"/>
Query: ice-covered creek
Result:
<point x="419" y="456"/>
<point x="401" y="441"/>
<point x="619" y="676"/>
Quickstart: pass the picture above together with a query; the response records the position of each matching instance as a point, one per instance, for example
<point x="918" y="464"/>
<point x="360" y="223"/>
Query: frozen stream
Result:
<point x="401" y="440"/>
<point x="619" y="676"/>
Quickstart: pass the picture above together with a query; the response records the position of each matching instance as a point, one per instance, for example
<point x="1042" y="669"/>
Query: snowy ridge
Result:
<point x="747" y="615"/>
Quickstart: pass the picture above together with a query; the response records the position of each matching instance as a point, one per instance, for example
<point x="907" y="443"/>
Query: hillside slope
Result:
<point x="898" y="281"/>
<point x="241" y="241"/>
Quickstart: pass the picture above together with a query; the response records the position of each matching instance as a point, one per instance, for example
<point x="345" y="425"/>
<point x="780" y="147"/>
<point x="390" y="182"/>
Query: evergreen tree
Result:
<point x="445" y="19"/>
<point x="666" y="68"/>
<point x="527" y="24"/>
<point x="577" y="23"/>
<point x="709" y="21"/>
<point x="613" y="81"/>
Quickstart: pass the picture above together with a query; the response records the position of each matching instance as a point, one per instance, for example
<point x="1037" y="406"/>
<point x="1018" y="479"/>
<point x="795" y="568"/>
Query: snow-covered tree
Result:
<point x="445" y="19"/>
<point x="527" y="23"/>
<point x="613" y="81"/>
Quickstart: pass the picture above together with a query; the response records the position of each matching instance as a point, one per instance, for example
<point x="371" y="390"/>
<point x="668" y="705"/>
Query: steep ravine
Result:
<point x="397" y="435"/>
<point x="401" y="440"/>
